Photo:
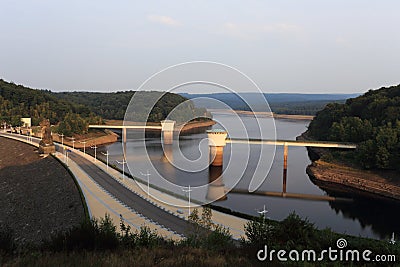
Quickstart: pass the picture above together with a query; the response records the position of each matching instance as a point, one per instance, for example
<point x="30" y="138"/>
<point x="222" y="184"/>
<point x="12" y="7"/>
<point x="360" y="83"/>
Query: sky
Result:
<point x="309" y="46"/>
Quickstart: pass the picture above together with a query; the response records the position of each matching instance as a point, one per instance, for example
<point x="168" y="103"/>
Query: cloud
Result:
<point x="165" y="20"/>
<point x="255" y="31"/>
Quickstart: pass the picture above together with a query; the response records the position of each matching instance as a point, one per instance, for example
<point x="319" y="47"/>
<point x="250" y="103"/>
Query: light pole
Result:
<point x="148" y="181"/>
<point x="188" y="191"/>
<point x="123" y="162"/>
<point x="84" y="146"/>
<point x="62" y="139"/>
<point x="263" y="213"/>
<point x="73" y="142"/>
<point x="106" y="154"/>
<point x="95" y="151"/>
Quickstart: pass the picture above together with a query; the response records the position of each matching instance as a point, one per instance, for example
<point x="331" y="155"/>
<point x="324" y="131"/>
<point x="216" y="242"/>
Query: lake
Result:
<point x="186" y="163"/>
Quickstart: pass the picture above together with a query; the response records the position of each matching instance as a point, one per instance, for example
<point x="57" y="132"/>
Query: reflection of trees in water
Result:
<point x="382" y="215"/>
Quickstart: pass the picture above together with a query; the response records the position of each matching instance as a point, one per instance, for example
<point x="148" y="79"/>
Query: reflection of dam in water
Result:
<point x="341" y="216"/>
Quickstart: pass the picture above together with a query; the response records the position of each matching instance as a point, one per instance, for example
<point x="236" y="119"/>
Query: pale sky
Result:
<point x="339" y="46"/>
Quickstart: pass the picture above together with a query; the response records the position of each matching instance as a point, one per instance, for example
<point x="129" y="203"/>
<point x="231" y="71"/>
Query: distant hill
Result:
<point x="283" y="103"/>
<point x="113" y="105"/>
<point x="371" y="120"/>
<point x="18" y="101"/>
<point x="73" y="111"/>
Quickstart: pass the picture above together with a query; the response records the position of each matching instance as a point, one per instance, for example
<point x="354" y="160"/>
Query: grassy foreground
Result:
<point x="97" y="243"/>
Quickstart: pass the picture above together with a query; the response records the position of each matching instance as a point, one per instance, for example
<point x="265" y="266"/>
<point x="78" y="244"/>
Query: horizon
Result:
<point x="191" y="93"/>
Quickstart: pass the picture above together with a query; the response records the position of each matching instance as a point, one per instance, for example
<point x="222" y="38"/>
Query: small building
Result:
<point x="27" y="122"/>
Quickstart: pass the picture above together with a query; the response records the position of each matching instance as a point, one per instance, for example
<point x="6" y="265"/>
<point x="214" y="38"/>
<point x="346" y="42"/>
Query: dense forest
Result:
<point x="371" y="120"/>
<point x="72" y="112"/>
<point x="113" y="105"/>
<point x="17" y="101"/>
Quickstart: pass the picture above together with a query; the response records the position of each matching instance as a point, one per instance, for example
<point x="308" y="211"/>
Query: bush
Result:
<point x="258" y="232"/>
<point x="90" y="235"/>
<point x="203" y="233"/>
<point x="295" y="231"/>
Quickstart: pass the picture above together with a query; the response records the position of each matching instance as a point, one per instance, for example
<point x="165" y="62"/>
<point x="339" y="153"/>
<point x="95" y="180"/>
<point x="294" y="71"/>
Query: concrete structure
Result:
<point x="27" y="122"/>
<point x="167" y="129"/>
<point x="216" y="186"/>
<point x="216" y="143"/>
<point x="286" y="144"/>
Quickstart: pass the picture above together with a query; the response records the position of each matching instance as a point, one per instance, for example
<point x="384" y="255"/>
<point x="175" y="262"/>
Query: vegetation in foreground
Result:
<point x="97" y="243"/>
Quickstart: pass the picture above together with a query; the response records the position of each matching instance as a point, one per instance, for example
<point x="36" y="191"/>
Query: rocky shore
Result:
<point x="339" y="177"/>
<point x="329" y="175"/>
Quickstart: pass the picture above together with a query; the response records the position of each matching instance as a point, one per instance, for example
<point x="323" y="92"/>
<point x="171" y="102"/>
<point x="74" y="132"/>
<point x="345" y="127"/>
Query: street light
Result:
<point x="73" y="142"/>
<point x="263" y="212"/>
<point x="84" y="146"/>
<point x="106" y="154"/>
<point x="95" y="151"/>
<point x="188" y="191"/>
<point x="62" y="139"/>
<point x="123" y="162"/>
<point x="148" y="181"/>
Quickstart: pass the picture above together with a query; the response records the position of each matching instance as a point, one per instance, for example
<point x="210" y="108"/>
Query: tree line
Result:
<point x="74" y="111"/>
<point x="371" y="120"/>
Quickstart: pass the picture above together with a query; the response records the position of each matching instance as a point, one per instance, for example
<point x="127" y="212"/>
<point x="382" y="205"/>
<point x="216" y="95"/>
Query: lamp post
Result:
<point x="188" y="191"/>
<point x="84" y="146"/>
<point x="263" y="213"/>
<point x="123" y="162"/>
<point x="73" y="142"/>
<point x="62" y="139"/>
<point x="148" y="181"/>
<point x="95" y="151"/>
<point x="106" y="154"/>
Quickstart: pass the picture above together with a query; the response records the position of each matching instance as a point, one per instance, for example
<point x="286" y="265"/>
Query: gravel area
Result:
<point x="38" y="197"/>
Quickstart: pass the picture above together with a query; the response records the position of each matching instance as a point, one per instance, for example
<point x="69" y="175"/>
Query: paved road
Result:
<point x="130" y="199"/>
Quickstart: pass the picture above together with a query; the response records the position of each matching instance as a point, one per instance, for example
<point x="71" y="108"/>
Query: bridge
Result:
<point x="166" y="127"/>
<point x="218" y="140"/>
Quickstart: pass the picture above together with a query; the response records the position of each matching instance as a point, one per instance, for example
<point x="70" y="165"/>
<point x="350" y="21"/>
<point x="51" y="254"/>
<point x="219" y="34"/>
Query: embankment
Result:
<point x="38" y="196"/>
<point x="339" y="177"/>
<point x="329" y="176"/>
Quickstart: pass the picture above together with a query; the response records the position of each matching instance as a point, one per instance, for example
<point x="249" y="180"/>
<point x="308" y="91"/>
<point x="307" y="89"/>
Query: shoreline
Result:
<point x="98" y="138"/>
<point x="345" y="179"/>
<point x="105" y="137"/>
<point x="330" y="176"/>
<point x="264" y="114"/>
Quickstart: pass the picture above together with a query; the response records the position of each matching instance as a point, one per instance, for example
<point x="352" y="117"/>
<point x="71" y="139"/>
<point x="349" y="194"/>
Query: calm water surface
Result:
<point x="365" y="218"/>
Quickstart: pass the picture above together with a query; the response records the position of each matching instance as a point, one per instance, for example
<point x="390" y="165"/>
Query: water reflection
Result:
<point x="216" y="186"/>
<point x="363" y="217"/>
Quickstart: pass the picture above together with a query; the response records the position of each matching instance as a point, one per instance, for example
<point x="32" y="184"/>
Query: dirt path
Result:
<point x="38" y="197"/>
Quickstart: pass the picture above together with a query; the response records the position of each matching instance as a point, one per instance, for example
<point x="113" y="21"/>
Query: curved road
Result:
<point x="127" y="197"/>
<point x="130" y="199"/>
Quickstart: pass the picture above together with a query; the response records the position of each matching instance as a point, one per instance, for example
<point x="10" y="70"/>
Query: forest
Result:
<point x="72" y="112"/>
<point x="371" y="120"/>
